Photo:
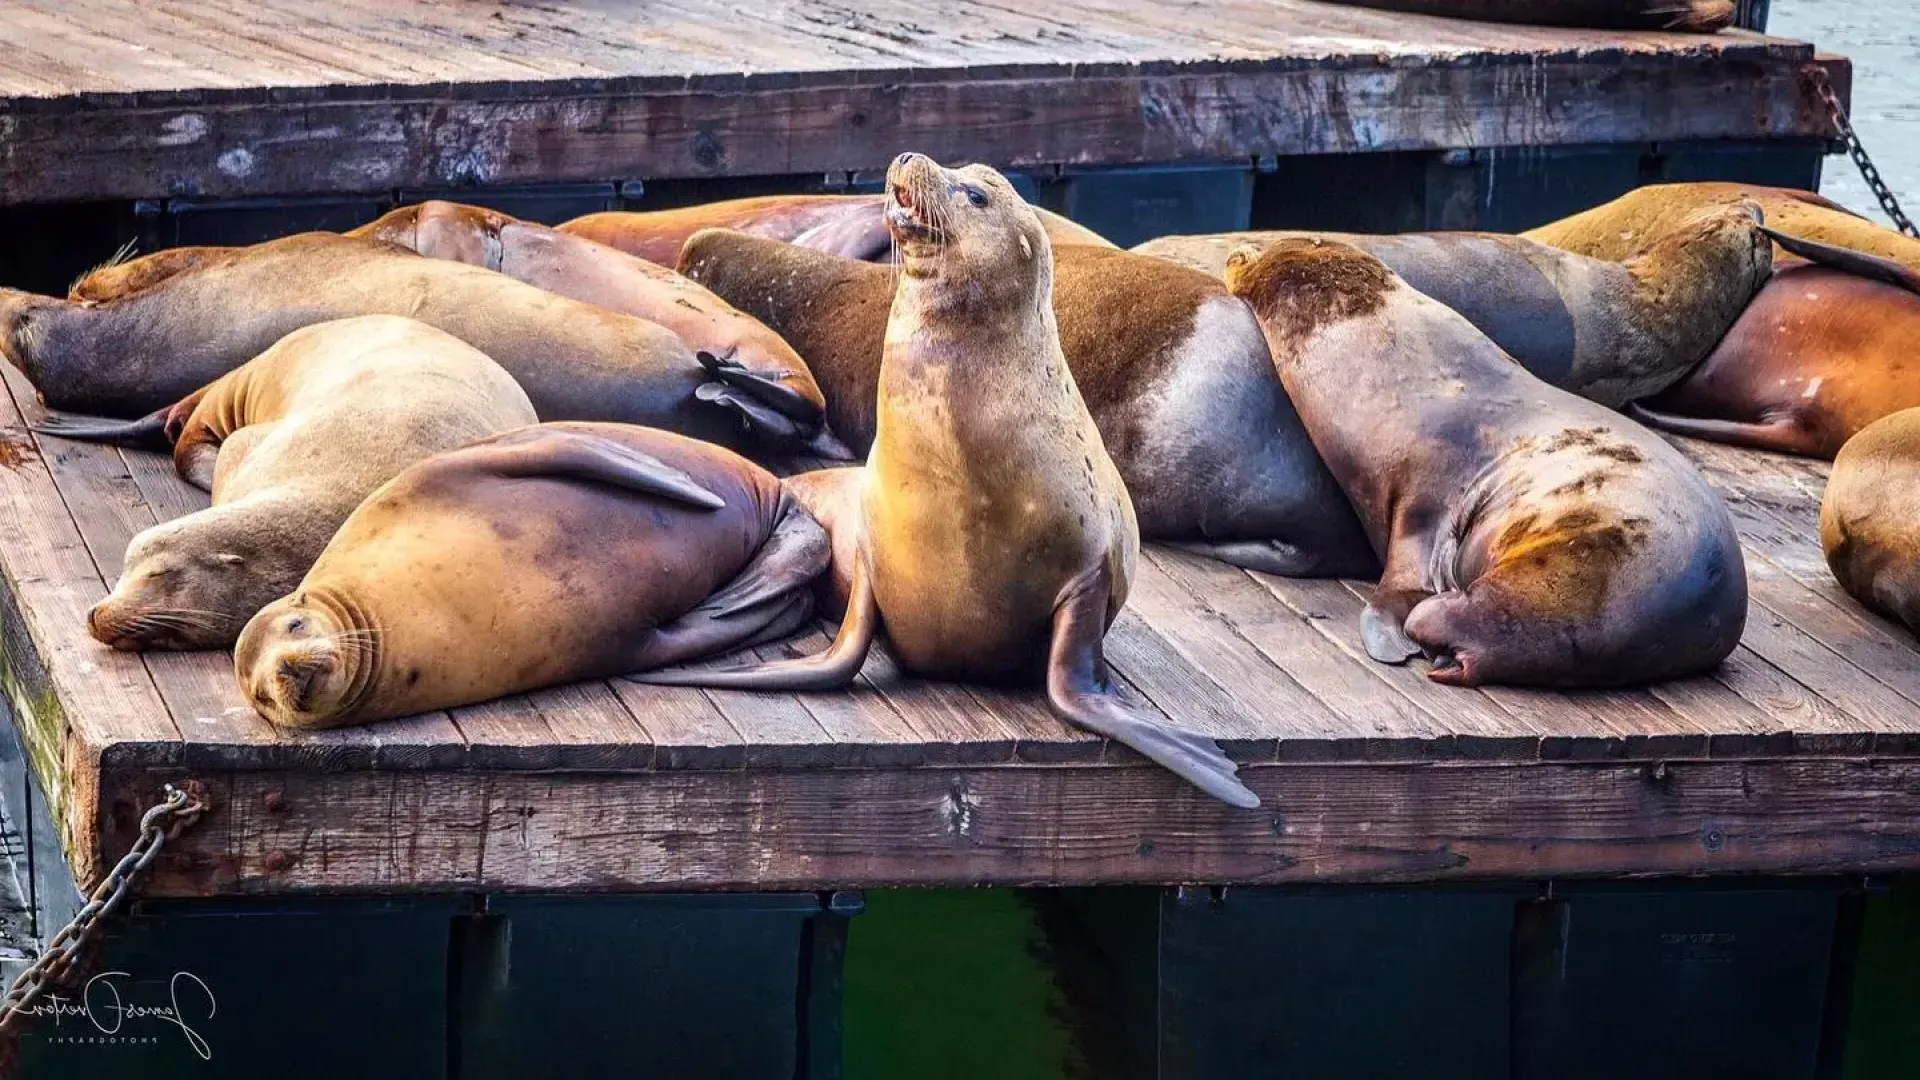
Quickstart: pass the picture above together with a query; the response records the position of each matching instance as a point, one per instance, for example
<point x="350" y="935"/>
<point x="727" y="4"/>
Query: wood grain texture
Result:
<point x="115" y="99"/>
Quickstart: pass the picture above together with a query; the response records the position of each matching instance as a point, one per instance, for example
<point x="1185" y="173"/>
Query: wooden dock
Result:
<point x="118" y="99"/>
<point x="1801" y="755"/>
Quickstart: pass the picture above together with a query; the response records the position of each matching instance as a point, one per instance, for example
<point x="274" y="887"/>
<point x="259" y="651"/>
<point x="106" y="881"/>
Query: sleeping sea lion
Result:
<point x="1612" y="332"/>
<point x="1528" y="536"/>
<point x="289" y="444"/>
<point x="995" y="537"/>
<point x="1625" y="226"/>
<point x="545" y="555"/>
<point x="1172" y="368"/>
<point x="1687" y="16"/>
<point x="148" y="349"/>
<point x="846" y="225"/>
<point x="1870" y="517"/>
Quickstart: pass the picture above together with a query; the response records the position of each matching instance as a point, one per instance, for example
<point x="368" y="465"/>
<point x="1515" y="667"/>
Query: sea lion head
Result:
<point x="966" y="225"/>
<point x="303" y="662"/>
<point x="187" y="584"/>
<point x="1300" y="284"/>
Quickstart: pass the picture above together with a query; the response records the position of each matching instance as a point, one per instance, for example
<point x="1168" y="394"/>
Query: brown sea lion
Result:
<point x="848" y="225"/>
<point x="1870" y="517"/>
<point x="1625" y="226"/>
<point x="996" y="538"/>
<point x="1612" y="332"/>
<point x="1688" y="16"/>
<point x="541" y="556"/>
<point x="1818" y="355"/>
<point x="1528" y="536"/>
<point x="126" y="273"/>
<point x="150" y="348"/>
<point x="1173" y="369"/>
<point x="289" y="444"/>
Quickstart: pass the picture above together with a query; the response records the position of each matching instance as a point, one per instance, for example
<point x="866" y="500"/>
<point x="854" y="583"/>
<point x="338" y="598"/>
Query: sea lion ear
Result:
<point x="227" y="558"/>
<point x="1026" y="247"/>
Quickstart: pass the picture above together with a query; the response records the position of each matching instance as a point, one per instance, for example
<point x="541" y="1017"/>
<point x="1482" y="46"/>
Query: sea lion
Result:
<point x="995" y="537"/>
<point x="1818" y="355"/>
<point x="540" y="556"/>
<point x="150" y="348"/>
<point x="1625" y="226"/>
<point x="1870" y="517"/>
<point x="1612" y="332"/>
<point x="289" y="444"/>
<point x="1686" y="16"/>
<point x="1173" y="369"/>
<point x="1528" y="536"/>
<point x="846" y="225"/>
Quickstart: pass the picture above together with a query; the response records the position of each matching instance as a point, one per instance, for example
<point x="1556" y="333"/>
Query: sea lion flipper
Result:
<point x="1079" y="692"/>
<point x="1783" y="435"/>
<point x="578" y="455"/>
<point x="1284" y="559"/>
<point x="767" y="389"/>
<point x="148" y="432"/>
<point x="1853" y="262"/>
<point x="1383" y="629"/>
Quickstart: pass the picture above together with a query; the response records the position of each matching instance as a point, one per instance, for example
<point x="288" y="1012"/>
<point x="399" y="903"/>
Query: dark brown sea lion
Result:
<point x="1528" y="536"/>
<point x="1690" y="16"/>
<point x="848" y="225"/>
<point x="1612" y="332"/>
<point x="1625" y="226"/>
<point x="1173" y="369"/>
<point x="289" y="444"/>
<point x="541" y="556"/>
<point x="1818" y="355"/>
<point x="150" y="348"/>
<point x="1870" y="517"/>
<point x="996" y="539"/>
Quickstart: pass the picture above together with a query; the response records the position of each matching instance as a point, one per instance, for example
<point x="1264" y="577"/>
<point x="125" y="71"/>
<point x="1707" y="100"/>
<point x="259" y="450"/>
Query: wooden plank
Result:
<point x="592" y="730"/>
<point x="686" y="729"/>
<point x="859" y="719"/>
<point x="1066" y="825"/>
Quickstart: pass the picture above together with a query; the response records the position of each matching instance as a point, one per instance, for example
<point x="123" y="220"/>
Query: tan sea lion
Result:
<point x="1870" y="517"/>
<point x="1625" y="226"/>
<point x="1687" y="16"/>
<point x="150" y="348"/>
<point x="848" y="225"/>
<point x="995" y="537"/>
<point x="289" y="444"/>
<point x="1173" y="369"/>
<point x="1818" y="355"/>
<point x="1528" y="536"/>
<point x="541" y="556"/>
<point x="1612" y="332"/>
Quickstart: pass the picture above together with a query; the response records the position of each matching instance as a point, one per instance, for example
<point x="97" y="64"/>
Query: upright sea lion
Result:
<point x="1625" y="226"/>
<point x="847" y="225"/>
<point x="1173" y="369"/>
<point x="541" y="556"/>
<point x="150" y="348"/>
<point x="289" y="444"/>
<point x="1528" y="536"/>
<point x="1870" y="517"/>
<point x="1612" y="332"/>
<point x="1818" y="355"/>
<point x="996" y="538"/>
<point x="1688" y="16"/>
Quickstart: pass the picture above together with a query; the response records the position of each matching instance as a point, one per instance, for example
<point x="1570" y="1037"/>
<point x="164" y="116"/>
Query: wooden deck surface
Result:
<point x="214" y="98"/>
<point x="1802" y="753"/>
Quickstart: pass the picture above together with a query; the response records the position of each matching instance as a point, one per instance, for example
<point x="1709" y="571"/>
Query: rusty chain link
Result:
<point x="161" y="823"/>
<point x="1837" y="112"/>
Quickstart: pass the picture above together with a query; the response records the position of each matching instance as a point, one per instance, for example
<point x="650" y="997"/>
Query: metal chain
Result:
<point x="1838" y="114"/>
<point x="161" y="823"/>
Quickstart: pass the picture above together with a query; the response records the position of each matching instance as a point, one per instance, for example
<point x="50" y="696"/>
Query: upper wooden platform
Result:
<point x="1801" y="754"/>
<point x="215" y="98"/>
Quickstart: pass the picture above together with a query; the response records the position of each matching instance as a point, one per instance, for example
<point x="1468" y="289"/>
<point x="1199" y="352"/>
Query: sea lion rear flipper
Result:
<point x="1783" y="435"/>
<point x="578" y="455"/>
<point x="1853" y="262"/>
<point x="830" y="669"/>
<point x="764" y="388"/>
<point x="1078" y="691"/>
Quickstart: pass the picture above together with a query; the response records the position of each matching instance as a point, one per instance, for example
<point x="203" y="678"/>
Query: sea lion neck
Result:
<point x="358" y="646"/>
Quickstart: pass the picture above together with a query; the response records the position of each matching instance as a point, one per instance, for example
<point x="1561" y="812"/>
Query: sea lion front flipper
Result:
<point x="830" y="669"/>
<point x="1859" y="263"/>
<point x="1783" y="435"/>
<point x="1079" y="692"/>
<point x="1281" y="558"/>
<point x="148" y="433"/>
<point x="578" y="455"/>
<point x="1383" y="625"/>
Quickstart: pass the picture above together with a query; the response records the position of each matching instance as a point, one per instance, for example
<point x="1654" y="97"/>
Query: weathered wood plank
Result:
<point x="1052" y="825"/>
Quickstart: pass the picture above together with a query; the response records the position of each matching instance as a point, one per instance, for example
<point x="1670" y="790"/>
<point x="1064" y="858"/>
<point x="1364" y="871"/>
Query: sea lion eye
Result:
<point x="977" y="197"/>
<point x="296" y="624"/>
